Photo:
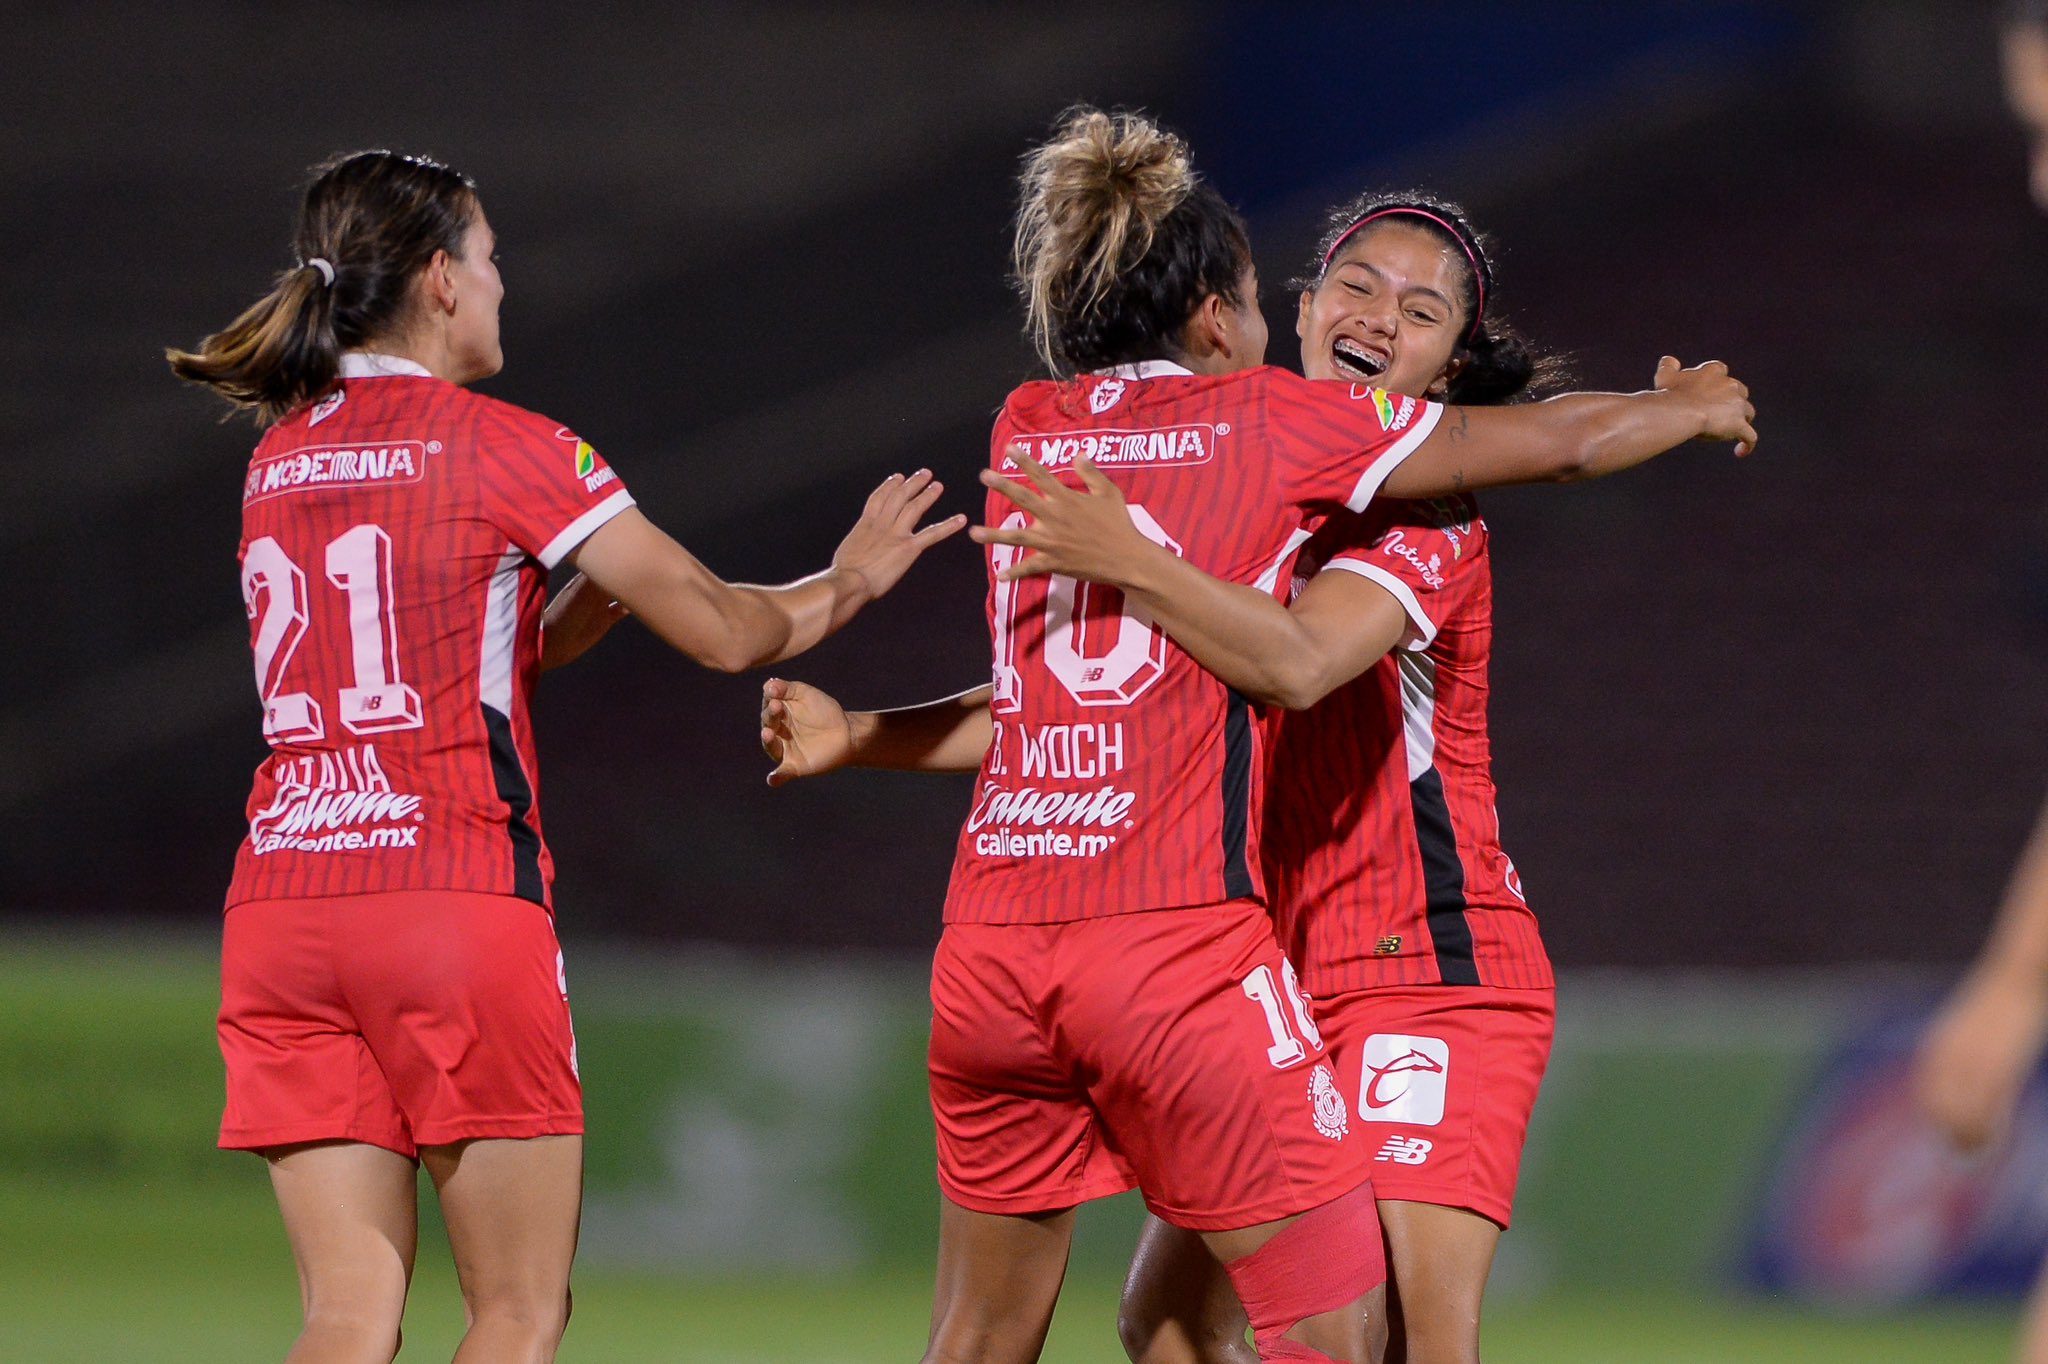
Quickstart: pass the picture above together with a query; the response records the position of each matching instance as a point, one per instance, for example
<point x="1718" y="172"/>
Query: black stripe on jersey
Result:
<point x="1443" y="879"/>
<point x="517" y="793"/>
<point x="1237" y="798"/>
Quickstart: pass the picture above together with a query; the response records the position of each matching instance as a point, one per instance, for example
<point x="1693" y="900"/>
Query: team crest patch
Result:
<point x="1107" y="394"/>
<point x="1326" y="1106"/>
<point x="327" y="407"/>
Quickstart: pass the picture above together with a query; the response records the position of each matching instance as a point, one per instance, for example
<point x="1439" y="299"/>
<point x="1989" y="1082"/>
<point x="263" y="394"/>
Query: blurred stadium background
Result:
<point x="1768" y="735"/>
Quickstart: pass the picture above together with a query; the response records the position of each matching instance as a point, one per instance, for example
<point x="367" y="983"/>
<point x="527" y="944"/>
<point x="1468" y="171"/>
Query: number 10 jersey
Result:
<point x="1123" y="776"/>
<point x="396" y="537"/>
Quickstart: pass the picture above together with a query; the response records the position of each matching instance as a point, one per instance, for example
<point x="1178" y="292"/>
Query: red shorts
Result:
<point x="1442" y="1079"/>
<point x="1162" y="1050"/>
<point x="403" y="1019"/>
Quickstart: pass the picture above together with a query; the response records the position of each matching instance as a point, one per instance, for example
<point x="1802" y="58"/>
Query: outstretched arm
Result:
<point x="1282" y="656"/>
<point x="1577" y="435"/>
<point x="1976" y="1057"/>
<point x="807" y="733"/>
<point x="736" y="626"/>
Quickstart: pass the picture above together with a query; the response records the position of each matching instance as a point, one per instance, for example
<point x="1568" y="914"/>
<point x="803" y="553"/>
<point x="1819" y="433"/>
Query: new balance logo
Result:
<point x="1406" y="1150"/>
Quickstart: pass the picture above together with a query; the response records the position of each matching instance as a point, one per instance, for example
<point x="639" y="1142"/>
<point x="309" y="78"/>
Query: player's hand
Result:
<point x="580" y="615"/>
<point x="1978" y="1053"/>
<point x="804" y="732"/>
<point x="1721" y="400"/>
<point x="886" y="540"/>
<point x="1083" y="534"/>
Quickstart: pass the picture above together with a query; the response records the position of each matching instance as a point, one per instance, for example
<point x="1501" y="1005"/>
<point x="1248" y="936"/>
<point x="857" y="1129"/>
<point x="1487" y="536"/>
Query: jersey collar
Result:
<point x="1144" y="369"/>
<point x="369" y="364"/>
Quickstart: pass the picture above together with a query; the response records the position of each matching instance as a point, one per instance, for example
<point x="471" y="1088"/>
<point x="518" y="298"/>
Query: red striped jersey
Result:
<point x="396" y="538"/>
<point x="1123" y="776"/>
<point x="1382" y="842"/>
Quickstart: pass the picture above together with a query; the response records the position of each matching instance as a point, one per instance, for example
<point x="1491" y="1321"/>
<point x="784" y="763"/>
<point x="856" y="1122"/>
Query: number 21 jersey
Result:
<point x="396" y="537"/>
<point x="1123" y="776"/>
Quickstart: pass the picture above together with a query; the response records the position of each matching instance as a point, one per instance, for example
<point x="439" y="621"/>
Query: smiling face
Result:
<point x="1389" y="311"/>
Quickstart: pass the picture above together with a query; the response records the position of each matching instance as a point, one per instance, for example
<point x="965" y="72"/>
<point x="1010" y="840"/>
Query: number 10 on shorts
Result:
<point x="1286" y="1009"/>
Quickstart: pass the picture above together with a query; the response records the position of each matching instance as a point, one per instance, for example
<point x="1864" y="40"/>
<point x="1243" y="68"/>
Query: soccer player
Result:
<point x="1083" y="1040"/>
<point x="392" y="993"/>
<point x="1389" y="888"/>
<point x="1986" y="1041"/>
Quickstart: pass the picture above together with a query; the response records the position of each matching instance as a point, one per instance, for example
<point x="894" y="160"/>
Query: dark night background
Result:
<point x="1782" y="712"/>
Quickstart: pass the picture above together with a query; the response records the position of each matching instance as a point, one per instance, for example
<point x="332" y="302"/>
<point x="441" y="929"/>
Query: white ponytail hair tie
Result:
<point x="326" y="269"/>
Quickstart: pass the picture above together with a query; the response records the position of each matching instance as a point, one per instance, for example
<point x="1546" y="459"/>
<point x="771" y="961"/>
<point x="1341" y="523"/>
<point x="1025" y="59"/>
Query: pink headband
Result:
<point x="1478" y="275"/>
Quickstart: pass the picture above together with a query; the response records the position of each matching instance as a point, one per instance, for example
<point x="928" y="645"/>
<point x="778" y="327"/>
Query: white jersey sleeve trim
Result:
<point x="1392" y="457"/>
<point x="1421" y="629"/>
<point x="581" y="529"/>
<point x="1270" y="579"/>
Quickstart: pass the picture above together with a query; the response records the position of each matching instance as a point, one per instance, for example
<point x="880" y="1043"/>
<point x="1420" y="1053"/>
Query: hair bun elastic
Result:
<point x="325" y="267"/>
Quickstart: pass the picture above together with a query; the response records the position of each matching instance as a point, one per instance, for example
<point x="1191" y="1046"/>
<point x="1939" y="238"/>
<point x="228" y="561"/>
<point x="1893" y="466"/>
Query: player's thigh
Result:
<point x="462" y="999"/>
<point x="298" y="1067"/>
<point x="1317" y="1279"/>
<point x="1438" y="1260"/>
<point x="1206" y="1067"/>
<point x="999" y="1276"/>
<point x="513" y="1207"/>
<point x="1016" y="1132"/>
<point x="1178" y="1303"/>
<point x="1444" y="1079"/>
<point x="350" y="1212"/>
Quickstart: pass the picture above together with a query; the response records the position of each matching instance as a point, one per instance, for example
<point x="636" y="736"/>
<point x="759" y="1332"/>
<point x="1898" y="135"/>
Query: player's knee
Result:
<point x="534" y="1314"/>
<point x="358" y="1332"/>
<point x="1137" y="1327"/>
<point x="1440" y="1337"/>
<point x="978" y="1331"/>
<point x="1151" y="1337"/>
<point x="1325" y="1261"/>
<point x="1151" y="1332"/>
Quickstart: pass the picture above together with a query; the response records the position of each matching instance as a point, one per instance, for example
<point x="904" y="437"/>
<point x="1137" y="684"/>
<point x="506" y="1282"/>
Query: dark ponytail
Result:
<point x="374" y="219"/>
<point x="1500" y="364"/>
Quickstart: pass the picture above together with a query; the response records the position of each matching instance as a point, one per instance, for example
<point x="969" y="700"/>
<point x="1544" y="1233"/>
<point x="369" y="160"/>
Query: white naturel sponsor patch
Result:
<point x="1394" y="545"/>
<point x="1156" y="447"/>
<point x="336" y="466"/>
<point x="1403" y="1079"/>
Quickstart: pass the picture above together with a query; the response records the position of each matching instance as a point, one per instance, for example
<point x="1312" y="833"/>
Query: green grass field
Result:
<point x="172" y="1276"/>
<point x="124" y="1236"/>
